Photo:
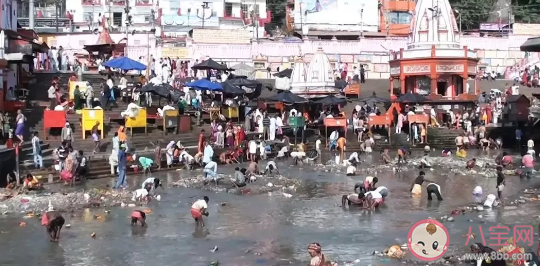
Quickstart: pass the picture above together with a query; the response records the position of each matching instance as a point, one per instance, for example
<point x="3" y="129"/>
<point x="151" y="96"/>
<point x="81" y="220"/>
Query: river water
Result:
<point x="260" y="229"/>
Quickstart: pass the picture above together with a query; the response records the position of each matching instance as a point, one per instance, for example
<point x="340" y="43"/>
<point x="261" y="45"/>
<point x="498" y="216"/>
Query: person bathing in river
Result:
<point x="225" y="157"/>
<point x="373" y="200"/>
<point x="138" y="216"/>
<point x="471" y="164"/>
<point x="367" y="185"/>
<point x="53" y="221"/>
<point x="142" y="194"/>
<point x="351" y="170"/>
<point x="253" y="168"/>
<point x="353" y="159"/>
<point x="383" y="191"/>
<point x="198" y="209"/>
<point x="402" y="155"/>
<point x="239" y="179"/>
<point x="425" y="162"/>
<point x="271" y="166"/>
<point x="416" y="187"/>
<point x="154" y="183"/>
<point x="504" y="160"/>
<point x="433" y="188"/>
<point x="461" y="153"/>
<point x="317" y="257"/>
<point x="385" y="157"/>
<point x="500" y="182"/>
<point x="353" y="199"/>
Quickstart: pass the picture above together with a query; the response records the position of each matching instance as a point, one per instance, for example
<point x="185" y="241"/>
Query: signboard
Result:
<point x="394" y="71"/>
<point x="221" y="36"/>
<point x="526" y="29"/>
<point x="44" y="22"/>
<point x="450" y="68"/>
<point x="416" y="69"/>
<point x="175" y="52"/>
<point x="493" y="26"/>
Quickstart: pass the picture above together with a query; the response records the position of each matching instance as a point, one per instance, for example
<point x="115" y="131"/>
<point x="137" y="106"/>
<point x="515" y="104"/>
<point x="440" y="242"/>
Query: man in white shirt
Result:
<point x="530" y="147"/>
<point x="293" y="112"/>
<point x="51" y="92"/>
<point x="198" y="209"/>
<point x="210" y="172"/>
<point x="252" y="145"/>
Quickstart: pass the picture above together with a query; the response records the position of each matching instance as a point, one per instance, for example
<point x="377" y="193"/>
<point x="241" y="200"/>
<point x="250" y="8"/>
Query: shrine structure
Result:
<point x="316" y="80"/>
<point x="434" y="63"/>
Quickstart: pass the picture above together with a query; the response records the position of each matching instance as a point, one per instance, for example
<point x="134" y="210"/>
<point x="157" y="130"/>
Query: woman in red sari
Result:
<point x="240" y="136"/>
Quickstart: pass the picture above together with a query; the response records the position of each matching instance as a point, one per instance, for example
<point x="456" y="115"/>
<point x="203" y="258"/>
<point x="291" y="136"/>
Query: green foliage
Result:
<point x="277" y="7"/>
<point x="472" y="12"/>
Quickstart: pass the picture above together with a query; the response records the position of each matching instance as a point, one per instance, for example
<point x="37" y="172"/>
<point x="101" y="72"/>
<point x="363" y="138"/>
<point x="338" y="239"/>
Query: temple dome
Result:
<point x="318" y="79"/>
<point x="434" y="24"/>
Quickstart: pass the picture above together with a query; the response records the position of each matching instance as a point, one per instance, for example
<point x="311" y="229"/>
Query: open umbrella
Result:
<point x="244" y="70"/>
<point x="204" y="84"/>
<point x="124" y="63"/>
<point x="374" y="99"/>
<point x="230" y="89"/>
<point x="284" y="73"/>
<point x="288" y="98"/>
<point x="331" y="100"/>
<point x="209" y="64"/>
<point x="243" y="82"/>
<point x="164" y="90"/>
<point x="411" y="97"/>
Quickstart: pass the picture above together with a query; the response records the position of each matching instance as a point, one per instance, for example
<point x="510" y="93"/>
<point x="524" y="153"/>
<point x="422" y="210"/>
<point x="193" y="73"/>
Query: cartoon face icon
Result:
<point x="428" y="240"/>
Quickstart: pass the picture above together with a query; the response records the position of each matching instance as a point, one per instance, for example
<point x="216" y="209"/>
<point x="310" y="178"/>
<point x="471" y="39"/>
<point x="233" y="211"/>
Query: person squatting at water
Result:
<point x="471" y="164"/>
<point x="351" y="171"/>
<point x="270" y="167"/>
<point x="53" y="221"/>
<point x="402" y="155"/>
<point x="198" y="209"/>
<point x="373" y="200"/>
<point x="239" y="179"/>
<point x="504" y="159"/>
<point x="138" y="216"/>
<point x="368" y="184"/>
<point x="353" y="159"/>
<point x="154" y="184"/>
<point x="142" y="194"/>
<point x="425" y="162"/>
<point x="210" y="172"/>
<point x="385" y="157"/>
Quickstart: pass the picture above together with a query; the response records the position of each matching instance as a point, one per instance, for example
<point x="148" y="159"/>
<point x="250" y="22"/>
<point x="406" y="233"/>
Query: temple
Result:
<point x="317" y="81"/>
<point x="434" y="62"/>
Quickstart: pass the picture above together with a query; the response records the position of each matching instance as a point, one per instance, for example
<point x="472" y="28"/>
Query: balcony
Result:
<point x="144" y="2"/>
<point x="399" y="5"/>
<point x="91" y="2"/>
<point x="116" y="2"/>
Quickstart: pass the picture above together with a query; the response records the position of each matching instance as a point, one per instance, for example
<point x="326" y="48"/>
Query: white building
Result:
<point x="175" y="17"/>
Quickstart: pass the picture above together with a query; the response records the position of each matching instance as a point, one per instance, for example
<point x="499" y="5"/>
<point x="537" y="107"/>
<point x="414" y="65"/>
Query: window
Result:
<point x="117" y="19"/>
<point x="399" y="17"/>
<point x="228" y="10"/>
<point x="245" y="10"/>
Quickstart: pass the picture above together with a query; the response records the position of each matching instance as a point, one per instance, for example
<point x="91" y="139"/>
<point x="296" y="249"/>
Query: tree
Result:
<point x="472" y="12"/>
<point x="278" y="9"/>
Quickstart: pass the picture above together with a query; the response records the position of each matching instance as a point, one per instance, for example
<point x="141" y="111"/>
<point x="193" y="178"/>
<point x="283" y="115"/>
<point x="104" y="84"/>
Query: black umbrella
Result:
<point x="374" y="99"/>
<point x="243" y="82"/>
<point x="230" y="89"/>
<point x="163" y="90"/>
<point x="288" y="98"/>
<point x="284" y="73"/>
<point x="412" y="98"/>
<point x="340" y="84"/>
<point x="331" y="100"/>
<point x="209" y="64"/>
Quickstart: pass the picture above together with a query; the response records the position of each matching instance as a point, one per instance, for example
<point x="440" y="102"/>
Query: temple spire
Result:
<point x="435" y="25"/>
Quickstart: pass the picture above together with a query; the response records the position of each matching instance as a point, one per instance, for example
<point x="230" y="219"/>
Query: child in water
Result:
<point x="138" y="216"/>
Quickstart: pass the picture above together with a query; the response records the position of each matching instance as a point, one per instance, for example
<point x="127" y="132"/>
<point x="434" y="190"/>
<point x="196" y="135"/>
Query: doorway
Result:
<point x="441" y="87"/>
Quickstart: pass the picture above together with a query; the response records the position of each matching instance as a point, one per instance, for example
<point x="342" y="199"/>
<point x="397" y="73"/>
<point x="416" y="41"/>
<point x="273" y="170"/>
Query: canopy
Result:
<point x="374" y="99"/>
<point x="204" y="84"/>
<point x="209" y="64"/>
<point x="230" y="89"/>
<point x="412" y="98"/>
<point x="164" y="90"/>
<point x="331" y="100"/>
<point x="243" y="82"/>
<point x="531" y="45"/>
<point x="244" y="70"/>
<point x="284" y="73"/>
<point x="288" y="98"/>
<point x="124" y="63"/>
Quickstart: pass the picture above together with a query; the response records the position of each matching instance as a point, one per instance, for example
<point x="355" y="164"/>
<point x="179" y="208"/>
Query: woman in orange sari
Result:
<point x="122" y="136"/>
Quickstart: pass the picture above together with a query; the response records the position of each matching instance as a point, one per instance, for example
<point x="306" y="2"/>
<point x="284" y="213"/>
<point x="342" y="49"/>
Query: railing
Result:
<point x="116" y="2"/>
<point x="144" y="2"/>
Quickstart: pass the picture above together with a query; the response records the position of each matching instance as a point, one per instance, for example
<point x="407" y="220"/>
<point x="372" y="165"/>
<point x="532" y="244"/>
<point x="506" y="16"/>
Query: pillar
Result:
<point x="433" y="84"/>
<point x="31" y="14"/>
<point x="402" y="80"/>
<point x="465" y="83"/>
<point x="391" y="87"/>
